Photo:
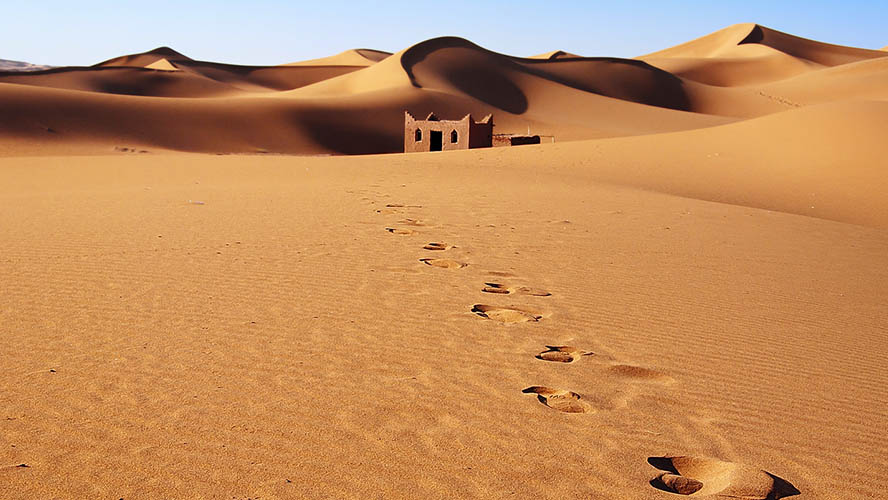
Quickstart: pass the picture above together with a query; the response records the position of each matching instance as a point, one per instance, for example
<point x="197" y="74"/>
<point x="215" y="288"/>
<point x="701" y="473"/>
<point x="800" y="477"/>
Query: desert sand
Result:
<point x="226" y="281"/>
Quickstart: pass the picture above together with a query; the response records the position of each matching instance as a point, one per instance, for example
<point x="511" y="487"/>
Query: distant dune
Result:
<point x="163" y="72"/>
<point x="6" y="65"/>
<point x="145" y="58"/>
<point x="745" y="54"/>
<point x="556" y="54"/>
<point x="353" y="57"/>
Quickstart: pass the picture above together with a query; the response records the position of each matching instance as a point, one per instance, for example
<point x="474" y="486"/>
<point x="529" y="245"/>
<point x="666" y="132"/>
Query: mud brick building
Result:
<point x="434" y="134"/>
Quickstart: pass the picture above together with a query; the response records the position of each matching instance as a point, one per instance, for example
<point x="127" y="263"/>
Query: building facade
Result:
<point x="434" y="134"/>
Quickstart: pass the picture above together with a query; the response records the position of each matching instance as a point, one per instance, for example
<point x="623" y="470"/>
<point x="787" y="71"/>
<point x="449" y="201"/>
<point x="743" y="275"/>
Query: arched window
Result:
<point x="454" y="137"/>
<point x="417" y="136"/>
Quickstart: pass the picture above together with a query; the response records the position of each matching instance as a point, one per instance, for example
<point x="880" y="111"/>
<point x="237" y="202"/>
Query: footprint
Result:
<point x="536" y="292"/>
<point x="496" y="288"/>
<point x="502" y="274"/>
<point x="518" y="290"/>
<point x="437" y="246"/>
<point x="411" y="222"/>
<point x="702" y="476"/>
<point x="401" y="205"/>
<point x="400" y="230"/>
<point x="506" y="314"/>
<point x="674" y="483"/>
<point x="562" y="353"/>
<point x="558" y="399"/>
<point x="443" y="263"/>
<point x="639" y="373"/>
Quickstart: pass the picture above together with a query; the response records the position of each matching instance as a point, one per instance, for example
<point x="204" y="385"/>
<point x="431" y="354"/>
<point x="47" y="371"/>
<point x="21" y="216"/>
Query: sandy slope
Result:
<point x="163" y="72"/>
<point x="555" y="54"/>
<point x="7" y="65"/>
<point x="353" y="57"/>
<point x="161" y="348"/>
<point x="685" y="292"/>
<point x="745" y="54"/>
<point x="143" y="59"/>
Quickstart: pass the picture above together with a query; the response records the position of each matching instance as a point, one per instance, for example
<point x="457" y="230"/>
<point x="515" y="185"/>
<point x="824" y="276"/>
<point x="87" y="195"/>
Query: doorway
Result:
<point x="435" y="140"/>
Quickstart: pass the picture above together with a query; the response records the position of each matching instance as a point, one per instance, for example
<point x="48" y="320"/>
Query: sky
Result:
<point x="265" y="32"/>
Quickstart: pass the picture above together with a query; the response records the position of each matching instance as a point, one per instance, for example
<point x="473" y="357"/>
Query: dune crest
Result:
<point x="163" y="65"/>
<point x="143" y="59"/>
<point x="745" y="54"/>
<point x="556" y="54"/>
<point x="7" y="65"/>
<point x="352" y="57"/>
<point x="740" y="40"/>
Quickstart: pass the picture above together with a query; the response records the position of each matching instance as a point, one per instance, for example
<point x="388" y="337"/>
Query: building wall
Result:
<point x="514" y="140"/>
<point x="481" y="134"/>
<point x="469" y="134"/>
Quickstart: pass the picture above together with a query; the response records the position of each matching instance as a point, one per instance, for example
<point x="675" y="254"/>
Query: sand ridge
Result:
<point x="353" y="57"/>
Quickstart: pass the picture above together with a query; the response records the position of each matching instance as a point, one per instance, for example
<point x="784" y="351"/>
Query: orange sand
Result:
<point x="684" y="294"/>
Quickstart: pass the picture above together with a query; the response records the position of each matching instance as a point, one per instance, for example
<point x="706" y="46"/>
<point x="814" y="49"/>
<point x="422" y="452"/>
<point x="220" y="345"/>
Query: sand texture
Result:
<point x="685" y="294"/>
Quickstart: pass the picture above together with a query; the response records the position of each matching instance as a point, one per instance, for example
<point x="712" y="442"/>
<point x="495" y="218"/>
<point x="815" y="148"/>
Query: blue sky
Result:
<point x="273" y="31"/>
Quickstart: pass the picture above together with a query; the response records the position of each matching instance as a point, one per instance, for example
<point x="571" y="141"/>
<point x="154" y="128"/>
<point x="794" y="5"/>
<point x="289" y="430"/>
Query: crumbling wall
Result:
<point x="503" y="140"/>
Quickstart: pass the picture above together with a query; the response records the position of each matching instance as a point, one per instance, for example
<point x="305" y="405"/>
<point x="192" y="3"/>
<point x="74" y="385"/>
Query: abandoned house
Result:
<point x="434" y="134"/>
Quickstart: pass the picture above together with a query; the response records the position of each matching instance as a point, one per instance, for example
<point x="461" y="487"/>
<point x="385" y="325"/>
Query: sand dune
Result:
<point x="570" y="99"/>
<point x="6" y="65"/>
<point x="353" y="57"/>
<point x="823" y="161"/>
<point x="753" y="40"/>
<point x="148" y="74"/>
<point x="163" y="65"/>
<point x="853" y="81"/>
<point x="143" y="59"/>
<point x="745" y="54"/>
<point x="146" y="81"/>
<point x="555" y="54"/>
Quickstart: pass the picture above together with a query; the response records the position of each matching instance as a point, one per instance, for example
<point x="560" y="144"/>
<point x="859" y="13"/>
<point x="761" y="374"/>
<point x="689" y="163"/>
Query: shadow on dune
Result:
<point x="477" y="79"/>
<point x="780" y="488"/>
<point x="119" y="80"/>
<point x="625" y="79"/>
<point x="663" y="463"/>
<point x="756" y="35"/>
<point x="490" y="86"/>
<point x="278" y="78"/>
<point x="149" y="84"/>
<point x="353" y="133"/>
<point x="501" y="80"/>
<point x="196" y="79"/>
